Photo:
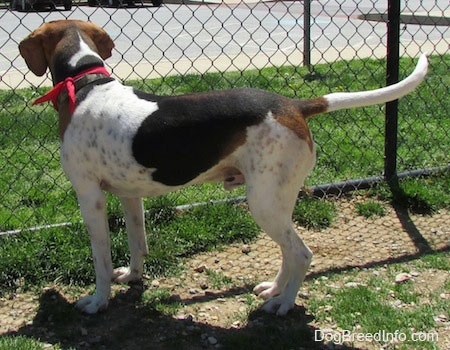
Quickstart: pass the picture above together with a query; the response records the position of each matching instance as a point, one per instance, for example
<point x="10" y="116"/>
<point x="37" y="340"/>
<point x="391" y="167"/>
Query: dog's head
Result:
<point x="61" y="38"/>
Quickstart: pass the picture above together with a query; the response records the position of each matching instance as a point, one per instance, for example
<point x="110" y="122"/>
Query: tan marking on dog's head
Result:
<point x="293" y="115"/>
<point x="39" y="47"/>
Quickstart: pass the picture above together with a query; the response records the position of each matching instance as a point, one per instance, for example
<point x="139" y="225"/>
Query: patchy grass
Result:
<point x="314" y="213"/>
<point x="160" y="301"/>
<point x="370" y="209"/>
<point x="359" y="301"/>
<point x="20" y="343"/>
<point x="371" y="301"/>
<point x="419" y="195"/>
<point x="218" y="280"/>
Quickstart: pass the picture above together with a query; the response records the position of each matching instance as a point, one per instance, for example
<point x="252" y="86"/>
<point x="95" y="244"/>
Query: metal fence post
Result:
<point x="392" y="76"/>
<point x="307" y="33"/>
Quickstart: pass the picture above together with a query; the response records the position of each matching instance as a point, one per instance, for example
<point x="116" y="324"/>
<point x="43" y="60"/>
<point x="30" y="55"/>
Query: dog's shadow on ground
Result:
<point x="126" y="324"/>
<point x="130" y="323"/>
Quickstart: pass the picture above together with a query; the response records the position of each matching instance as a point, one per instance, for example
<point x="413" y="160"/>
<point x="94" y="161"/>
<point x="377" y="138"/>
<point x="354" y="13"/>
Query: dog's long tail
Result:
<point x="342" y="100"/>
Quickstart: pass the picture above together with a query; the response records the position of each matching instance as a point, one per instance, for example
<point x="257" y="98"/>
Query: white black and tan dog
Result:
<point x="115" y="138"/>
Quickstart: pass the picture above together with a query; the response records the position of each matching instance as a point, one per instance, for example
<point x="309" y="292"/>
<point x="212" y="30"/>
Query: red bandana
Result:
<point x="69" y="85"/>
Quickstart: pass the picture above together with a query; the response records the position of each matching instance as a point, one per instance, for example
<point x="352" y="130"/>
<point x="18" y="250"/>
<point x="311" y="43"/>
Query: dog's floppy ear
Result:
<point x="101" y="39"/>
<point x="32" y="51"/>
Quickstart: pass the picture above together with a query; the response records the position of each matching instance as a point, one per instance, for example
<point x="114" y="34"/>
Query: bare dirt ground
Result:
<point x="211" y="310"/>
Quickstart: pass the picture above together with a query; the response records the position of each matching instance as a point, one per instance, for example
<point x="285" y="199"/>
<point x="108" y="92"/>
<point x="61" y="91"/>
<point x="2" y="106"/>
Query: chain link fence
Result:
<point x="295" y="48"/>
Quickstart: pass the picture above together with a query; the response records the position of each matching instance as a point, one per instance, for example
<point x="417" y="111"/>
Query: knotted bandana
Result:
<point x="69" y="85"/>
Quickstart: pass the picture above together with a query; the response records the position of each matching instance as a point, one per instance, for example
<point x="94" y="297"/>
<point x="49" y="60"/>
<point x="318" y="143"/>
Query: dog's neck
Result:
<point x="73" y="55"/>
<point x="75" y="65"/>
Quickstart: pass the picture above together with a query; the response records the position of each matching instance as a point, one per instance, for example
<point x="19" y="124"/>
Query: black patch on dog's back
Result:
<point x="189" y="134"/>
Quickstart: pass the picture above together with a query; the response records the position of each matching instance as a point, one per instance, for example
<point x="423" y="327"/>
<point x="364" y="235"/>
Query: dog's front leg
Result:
<point x="134" y="218"/>
<point x="93" y="209"/>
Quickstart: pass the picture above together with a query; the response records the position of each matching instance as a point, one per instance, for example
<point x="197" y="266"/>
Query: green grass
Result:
<point x="370" y="209"/>
<point x="435" y="261"/>
<point x="34" y="190"/>
<point x="20" y="343"/>
<point x="367" y="306"/>
<point x="63" y="254"/>
<point x="218" y="280"/>
<point x="159" y="301"/>
<point x="419" y="195"/>
<point x="314" y="213"/>
<point x="372" y="304"/>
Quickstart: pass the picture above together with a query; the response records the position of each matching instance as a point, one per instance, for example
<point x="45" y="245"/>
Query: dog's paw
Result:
<point x="276" y="301"/>
<point x="278" y="305"/>
<point x="125" y="275"/>
<point x="266" y="290"/>
<point x="92" y="304"/>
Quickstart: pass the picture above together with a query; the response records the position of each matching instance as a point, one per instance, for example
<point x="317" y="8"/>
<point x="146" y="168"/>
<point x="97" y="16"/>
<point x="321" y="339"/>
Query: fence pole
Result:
<point x="392" y="75"/>
<point x="307" y="33"/>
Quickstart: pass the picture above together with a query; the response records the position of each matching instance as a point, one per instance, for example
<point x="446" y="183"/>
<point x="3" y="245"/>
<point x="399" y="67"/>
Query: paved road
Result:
<point x="178" y="38"/>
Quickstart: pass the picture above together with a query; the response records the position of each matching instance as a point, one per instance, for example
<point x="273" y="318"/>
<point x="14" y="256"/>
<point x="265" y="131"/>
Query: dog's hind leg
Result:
<point x="272" y="212"/>
<point x="134" y="219"/>
<point x="275" y="169"/>
<point x="93" y="209"/>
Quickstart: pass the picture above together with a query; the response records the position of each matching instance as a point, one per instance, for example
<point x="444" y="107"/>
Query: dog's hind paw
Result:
<point x="276" y="302"/>
<point x="266" y="290"/>
<point x="126" y="275"/>
<point x="91" y="304"/>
